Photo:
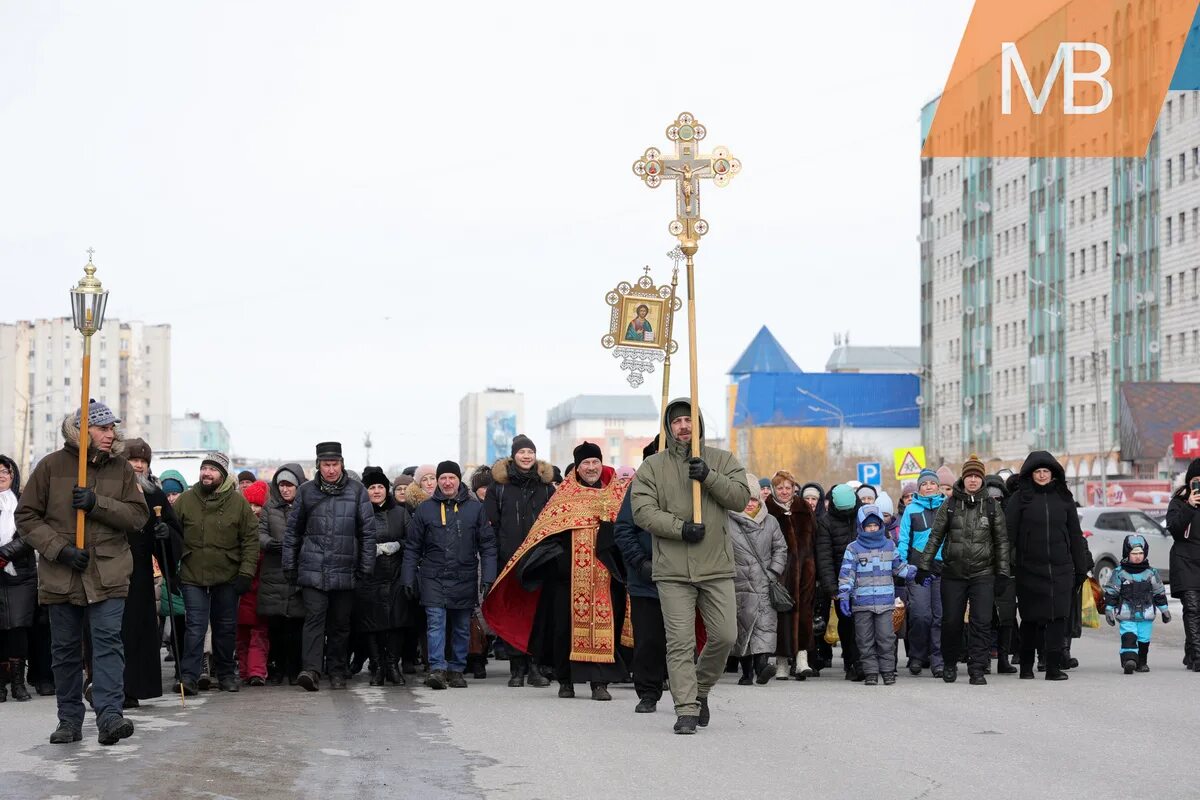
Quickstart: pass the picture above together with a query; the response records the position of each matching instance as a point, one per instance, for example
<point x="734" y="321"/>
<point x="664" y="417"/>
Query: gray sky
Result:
<point x="354" y="213"/>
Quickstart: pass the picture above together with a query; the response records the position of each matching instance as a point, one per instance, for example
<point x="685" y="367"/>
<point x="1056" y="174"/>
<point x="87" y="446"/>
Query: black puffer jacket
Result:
<point x="277" y="597"/>
<point x="379" y="601"/>
<point x="973" y="547"/>
<point x="514" y="502"/>
<point x="835" y="532"/>
<point x="18" y="594"/>
<point x="450" y="548"/>
<point x="1185" y="552"/>
<point x="1049" y="553"/>
<point x="330" y="538"/>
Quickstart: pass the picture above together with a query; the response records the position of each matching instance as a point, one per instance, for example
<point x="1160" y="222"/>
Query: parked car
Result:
<point x="1105" y="529"/>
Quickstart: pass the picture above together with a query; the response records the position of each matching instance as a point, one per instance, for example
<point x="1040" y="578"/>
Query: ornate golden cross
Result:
<point x="687" y="169"/>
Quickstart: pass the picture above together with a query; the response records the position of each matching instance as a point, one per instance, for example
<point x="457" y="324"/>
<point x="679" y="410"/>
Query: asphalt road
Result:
<point x="1101" y="733"/>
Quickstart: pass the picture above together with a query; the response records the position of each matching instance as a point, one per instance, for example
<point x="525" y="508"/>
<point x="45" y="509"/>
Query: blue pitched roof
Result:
<point x="867" y="400"/>
<point x="765" y="354"/>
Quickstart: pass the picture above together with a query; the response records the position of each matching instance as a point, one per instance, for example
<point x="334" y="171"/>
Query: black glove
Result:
<point x="83" y="498"/>
<point x="646" y="571"/>
<point x="241" y="584"/>
<point x="693" y="532"/>
<point x="162" y="531"/>
<point x="1080" y="580"/>
<point x="292" y="576"/>
<point x="697" y="469"/>
<point x="1001" y="584"/>
<point x="411" y="593"/>
<point x="1166" y="615"/>
<point x="71" y="556"/>
<point x="11" y="550"/>
<point x="487" y="587"/>
<point x="922" y="578"/>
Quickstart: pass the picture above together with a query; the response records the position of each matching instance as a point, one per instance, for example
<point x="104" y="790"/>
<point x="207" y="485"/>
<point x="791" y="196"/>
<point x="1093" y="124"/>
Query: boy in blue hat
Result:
<point x="1133" y="593"/>
<point x="866" y="591"/>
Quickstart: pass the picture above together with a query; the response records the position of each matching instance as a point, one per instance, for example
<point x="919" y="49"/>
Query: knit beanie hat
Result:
<point x="401" y="481"/>
<point x="764" y="483"/>
<point x="246" y="475"/>
<point x="449" y="467"/>
<point x="481" y="477"/>
<point x="680" y="408"/>
<point x="927" y="474"/>
<point x="973" y="466"/>
<point x="423" y="470"/>
<point x="585" y="451"/>
<point x="218" y="460"/>
<point x="137" y="448"/>
<point x="172" y="486"/>
<point x="286" y="475"/>
<point x="256" y="493"/>
<point x="520" y="442"/>
<point x="98" y="414"/>
<point x="811" y="492"/>
<point x="945" y="476"/>
<point x="908" y="487"/>
<point x="373" y="476"/>
<point x="843" y="497"/>
<point x="867" y="493"/>
<point x="884" y="503"/>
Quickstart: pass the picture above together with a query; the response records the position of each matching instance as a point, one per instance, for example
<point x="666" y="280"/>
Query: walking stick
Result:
<point x="174" y="628"/>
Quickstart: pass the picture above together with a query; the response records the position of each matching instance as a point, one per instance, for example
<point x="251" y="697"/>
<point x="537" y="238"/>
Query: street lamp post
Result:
<point x="88" y="300"/>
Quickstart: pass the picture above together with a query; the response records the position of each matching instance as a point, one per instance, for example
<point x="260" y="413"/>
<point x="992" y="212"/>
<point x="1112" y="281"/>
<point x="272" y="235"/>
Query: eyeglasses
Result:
<point x="5" y="473"/>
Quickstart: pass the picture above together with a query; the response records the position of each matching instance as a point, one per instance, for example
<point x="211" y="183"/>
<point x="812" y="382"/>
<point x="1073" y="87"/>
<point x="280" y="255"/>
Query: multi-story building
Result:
<point x="487" y="423"/>
<point x="193" y="432"/>
<point x="621" y="424"/>
<point x="1047" y="283"/>
<point x="40" y="369"/>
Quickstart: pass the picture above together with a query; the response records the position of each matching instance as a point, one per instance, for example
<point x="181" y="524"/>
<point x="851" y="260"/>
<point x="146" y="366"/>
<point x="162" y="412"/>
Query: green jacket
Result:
<point x="662" y="502"/>
<point x="974" y="546"/>
<point x="220" y="535"/>
<point x="46" y="520"/>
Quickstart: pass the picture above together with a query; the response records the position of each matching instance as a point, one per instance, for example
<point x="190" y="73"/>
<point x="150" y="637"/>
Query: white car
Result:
<point x="1105" y="529"/>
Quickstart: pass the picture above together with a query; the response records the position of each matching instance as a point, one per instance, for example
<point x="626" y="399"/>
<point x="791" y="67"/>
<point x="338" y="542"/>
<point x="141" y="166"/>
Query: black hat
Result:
<point x="374" y="475"/>
<point x="246" y="475"/>
<point x="679" y="408"/>
<point x="650" y="449"/>
<point x="585" y="451"/>
<point x="481" y="477"/>
<point x="328" y="451"/>
<point x="450" y="467"/>
<point x="137" y="448"/>
<point x="558" y="476"/>
<point x="409" y="471"/>
<point x="520" y="442"/>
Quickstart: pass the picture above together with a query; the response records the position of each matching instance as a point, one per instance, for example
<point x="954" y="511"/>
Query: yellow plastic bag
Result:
<point x="831" y="634"/>
<point x="1090" y="617"/>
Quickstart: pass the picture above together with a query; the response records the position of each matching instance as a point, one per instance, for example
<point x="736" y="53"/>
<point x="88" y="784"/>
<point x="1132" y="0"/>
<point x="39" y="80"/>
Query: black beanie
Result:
<point x="520" y="442"/>
<point x="481" y="477"/>
<point x="246" y="475"/>
<point x="680" y="408"/>
<point x="585" y="451"/>
<point x="450" y="467"/>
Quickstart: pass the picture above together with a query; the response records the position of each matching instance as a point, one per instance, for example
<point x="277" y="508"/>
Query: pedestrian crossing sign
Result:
<point x="909" y="462"/>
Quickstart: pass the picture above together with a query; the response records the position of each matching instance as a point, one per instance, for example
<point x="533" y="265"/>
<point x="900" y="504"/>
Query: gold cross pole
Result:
<point x="687" y="169"/>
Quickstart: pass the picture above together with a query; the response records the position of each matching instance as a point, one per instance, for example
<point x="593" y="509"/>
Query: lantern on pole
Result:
<point x="88" y="299"/>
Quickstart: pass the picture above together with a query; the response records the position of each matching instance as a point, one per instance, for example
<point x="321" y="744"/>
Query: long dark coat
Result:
<point x="18" y="594"/>
<point x="277" y="597"/>
<point x="1049" y="554"/>
<point x="379" y="600"/>
<point x="139" y="625"/>
<point x="1185" y="551"/>
<point x="798" y="525"/>
<point x="330" y="538"/>
<point x="513" y="503"/>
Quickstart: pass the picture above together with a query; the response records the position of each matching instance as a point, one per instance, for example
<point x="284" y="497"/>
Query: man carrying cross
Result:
<point x="692" y="562"/>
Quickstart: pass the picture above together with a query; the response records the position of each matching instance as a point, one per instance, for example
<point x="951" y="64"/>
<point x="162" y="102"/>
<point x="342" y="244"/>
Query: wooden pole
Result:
<point x="84" y="437"/>
<point x="689" y="249"/>
<point x="666" y="388"/>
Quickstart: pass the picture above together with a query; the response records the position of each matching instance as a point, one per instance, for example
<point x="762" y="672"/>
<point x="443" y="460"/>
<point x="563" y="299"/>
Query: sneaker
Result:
<point x="309" y="681"/>
<point x="115" y="730"/>
<point x="455" y="680"/>
<point x="66" y="733"/>
<point x="436" y="680"/>
<point x="705" y="716"/>
<point x="686" y="724"/>
<point x="256" y="681"/>
<point x="871" y="679"/>
<point x="889" y="679"/>
<point x="646" y="706"/>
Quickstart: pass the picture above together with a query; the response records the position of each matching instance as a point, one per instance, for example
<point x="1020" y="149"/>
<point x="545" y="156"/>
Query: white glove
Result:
<point x="387" y="548"/>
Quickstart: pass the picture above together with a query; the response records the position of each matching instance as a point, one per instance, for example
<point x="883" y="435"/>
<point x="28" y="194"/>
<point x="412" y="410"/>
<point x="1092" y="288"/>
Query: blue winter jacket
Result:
<point x="449" y="549"/>
<point x="916" y="524"/>
<point x="868" y="568"/>
<point x="635" y="546"/>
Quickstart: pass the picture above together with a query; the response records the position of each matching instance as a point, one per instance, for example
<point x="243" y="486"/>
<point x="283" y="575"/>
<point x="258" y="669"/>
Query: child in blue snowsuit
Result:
<point x="866" y="591"/>
<point x="1131" y="596"/>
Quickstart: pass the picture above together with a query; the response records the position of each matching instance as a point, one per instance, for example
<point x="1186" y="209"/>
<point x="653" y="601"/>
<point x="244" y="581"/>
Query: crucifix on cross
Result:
<point x="687" y="168"/>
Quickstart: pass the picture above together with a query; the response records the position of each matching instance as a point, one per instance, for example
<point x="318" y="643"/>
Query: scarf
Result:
<point x="8" y="523"/>
<point x="331" y="488"/>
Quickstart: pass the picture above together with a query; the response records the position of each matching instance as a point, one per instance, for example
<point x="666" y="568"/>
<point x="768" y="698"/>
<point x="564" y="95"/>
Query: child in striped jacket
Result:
<point x="866" y="591"/>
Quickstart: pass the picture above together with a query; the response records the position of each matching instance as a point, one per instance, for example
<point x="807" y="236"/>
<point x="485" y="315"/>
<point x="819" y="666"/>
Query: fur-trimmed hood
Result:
<point x="414" y="495"/>
<point x="70" y="433"/>
<point x="502" y="471"/>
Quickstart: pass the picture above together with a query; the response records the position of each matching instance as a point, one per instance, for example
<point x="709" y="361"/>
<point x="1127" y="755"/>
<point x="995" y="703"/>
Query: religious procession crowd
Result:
<point x="591" y="576"/>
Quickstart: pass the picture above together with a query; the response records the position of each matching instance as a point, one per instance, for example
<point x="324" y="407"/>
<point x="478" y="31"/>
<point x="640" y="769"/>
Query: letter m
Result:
<point x="1064" y="60"/>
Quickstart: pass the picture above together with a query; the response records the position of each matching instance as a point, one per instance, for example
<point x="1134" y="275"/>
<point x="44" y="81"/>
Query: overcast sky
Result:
<point x="354" y="213"/>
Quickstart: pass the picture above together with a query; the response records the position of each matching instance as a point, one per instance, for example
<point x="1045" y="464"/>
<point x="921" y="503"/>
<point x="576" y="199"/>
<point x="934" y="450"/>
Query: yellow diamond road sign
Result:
<point x="909" y="462"/>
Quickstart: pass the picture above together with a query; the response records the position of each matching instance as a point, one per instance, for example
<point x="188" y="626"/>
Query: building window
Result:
<point x="1169" y="292"/>
<point x="1182" y="219"/>
<point x="1169" y="230"/>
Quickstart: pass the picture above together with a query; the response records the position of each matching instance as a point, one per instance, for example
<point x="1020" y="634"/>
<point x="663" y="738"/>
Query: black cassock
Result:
<point x="139" y="626"/>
